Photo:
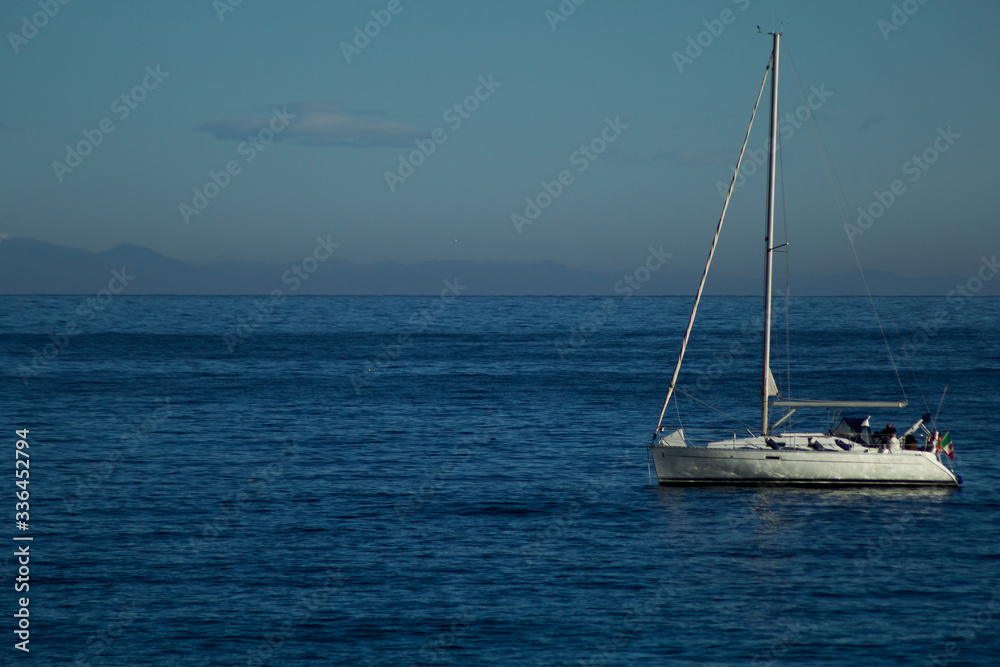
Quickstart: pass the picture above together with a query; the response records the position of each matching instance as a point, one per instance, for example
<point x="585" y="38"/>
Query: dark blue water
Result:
<point x="397" y="481"/>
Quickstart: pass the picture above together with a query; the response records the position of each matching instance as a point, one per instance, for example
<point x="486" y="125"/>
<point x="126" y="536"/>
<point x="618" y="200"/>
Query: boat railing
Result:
<point x="703" y="436"/>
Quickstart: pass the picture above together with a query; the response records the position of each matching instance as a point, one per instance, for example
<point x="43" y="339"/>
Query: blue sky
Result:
<point x="554" y="86"/>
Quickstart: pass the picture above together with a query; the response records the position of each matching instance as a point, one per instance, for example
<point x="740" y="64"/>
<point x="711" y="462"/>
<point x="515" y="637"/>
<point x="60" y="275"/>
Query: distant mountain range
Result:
<point x="28" y="266"/>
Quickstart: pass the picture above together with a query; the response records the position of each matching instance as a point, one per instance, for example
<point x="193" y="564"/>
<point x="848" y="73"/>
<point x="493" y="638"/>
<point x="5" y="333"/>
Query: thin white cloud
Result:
<point x="319" y="124"/>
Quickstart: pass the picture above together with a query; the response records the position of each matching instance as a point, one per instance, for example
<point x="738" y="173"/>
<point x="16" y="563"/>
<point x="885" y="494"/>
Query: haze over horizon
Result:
<point x="419" y="140"/>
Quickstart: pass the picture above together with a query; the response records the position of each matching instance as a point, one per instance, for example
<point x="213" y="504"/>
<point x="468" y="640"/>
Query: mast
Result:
<point x="768" y="235"/>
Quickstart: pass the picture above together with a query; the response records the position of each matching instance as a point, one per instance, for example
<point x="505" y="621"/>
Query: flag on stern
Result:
<point x="946" y="446"/>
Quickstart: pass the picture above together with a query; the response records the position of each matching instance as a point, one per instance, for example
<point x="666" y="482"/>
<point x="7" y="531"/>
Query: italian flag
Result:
<point x="946" y="446"/>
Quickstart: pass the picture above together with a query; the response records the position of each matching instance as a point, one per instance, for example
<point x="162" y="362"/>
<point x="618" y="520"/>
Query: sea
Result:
<point x="464" y="480"/>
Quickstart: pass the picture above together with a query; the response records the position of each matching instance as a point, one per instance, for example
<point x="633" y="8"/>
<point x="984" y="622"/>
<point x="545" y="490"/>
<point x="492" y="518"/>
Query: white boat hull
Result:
<point x="699" y="466"/>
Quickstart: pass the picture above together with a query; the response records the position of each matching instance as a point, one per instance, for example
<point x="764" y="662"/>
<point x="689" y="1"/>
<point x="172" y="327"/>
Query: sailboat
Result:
<point x="848" y="454"/>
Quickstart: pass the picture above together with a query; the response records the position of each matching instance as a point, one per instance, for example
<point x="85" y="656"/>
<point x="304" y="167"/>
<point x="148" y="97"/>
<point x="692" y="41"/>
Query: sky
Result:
<point x="211" y="130"/>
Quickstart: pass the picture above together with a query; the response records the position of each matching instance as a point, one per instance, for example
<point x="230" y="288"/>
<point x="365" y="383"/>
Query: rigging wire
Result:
<point x="906" y="356"/>
<point x="940" y="403"/>
<point x="827" y="165"/>
<point x="710" y="407"/>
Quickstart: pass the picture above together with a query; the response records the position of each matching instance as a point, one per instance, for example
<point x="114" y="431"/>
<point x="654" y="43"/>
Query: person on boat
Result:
<point x="887" y="435"/>
<point x="894" y="445"/>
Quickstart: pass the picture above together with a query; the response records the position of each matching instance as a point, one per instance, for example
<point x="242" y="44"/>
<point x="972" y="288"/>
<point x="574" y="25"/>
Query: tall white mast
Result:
<point x="768" y="236"/>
